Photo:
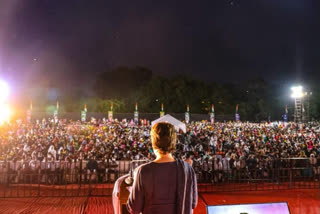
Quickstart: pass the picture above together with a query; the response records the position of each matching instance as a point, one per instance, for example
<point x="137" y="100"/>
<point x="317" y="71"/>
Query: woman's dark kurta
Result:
<point x="164" y="188"/>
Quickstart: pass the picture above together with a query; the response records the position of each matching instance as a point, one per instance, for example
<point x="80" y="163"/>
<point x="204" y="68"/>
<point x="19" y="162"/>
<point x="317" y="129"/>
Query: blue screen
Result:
<point x="265" y="208"/>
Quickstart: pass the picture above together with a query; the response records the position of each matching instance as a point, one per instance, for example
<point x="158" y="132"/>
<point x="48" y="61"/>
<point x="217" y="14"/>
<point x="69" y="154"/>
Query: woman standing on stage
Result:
<point x="165" y="185"/>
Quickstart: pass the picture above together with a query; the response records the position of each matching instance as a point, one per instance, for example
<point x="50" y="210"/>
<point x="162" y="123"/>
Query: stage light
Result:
<point x="297" y="92"/>
<point x="5" y="113"/>
<point x="4" y="91"/>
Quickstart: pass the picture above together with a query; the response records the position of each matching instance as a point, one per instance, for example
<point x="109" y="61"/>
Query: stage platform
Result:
<point x="300" y="201"/>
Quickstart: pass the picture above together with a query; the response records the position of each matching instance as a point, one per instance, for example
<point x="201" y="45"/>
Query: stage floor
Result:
<point x="300" y="201"/>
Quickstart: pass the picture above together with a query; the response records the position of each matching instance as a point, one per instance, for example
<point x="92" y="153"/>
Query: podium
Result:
<point x="120" y="195"/>
<point x="123" y="197"/>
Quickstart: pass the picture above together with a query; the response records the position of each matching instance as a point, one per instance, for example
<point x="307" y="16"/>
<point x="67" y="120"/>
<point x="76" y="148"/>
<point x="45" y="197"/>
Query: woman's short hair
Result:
<point x="163" y="137"/>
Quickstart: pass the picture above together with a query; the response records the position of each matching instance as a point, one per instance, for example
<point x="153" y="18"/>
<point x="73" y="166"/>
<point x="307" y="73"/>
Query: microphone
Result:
<point x="129" y="179"/>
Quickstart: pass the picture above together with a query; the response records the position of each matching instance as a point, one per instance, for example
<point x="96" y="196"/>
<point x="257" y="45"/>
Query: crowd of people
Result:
<point x="218" y="147"/>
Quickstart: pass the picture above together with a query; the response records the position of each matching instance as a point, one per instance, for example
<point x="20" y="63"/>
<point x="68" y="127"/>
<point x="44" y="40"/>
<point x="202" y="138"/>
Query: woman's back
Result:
<point x="159" y="184"/>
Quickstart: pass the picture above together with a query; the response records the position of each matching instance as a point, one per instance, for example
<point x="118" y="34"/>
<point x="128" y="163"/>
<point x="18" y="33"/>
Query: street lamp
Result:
<point x="297" y="94"/>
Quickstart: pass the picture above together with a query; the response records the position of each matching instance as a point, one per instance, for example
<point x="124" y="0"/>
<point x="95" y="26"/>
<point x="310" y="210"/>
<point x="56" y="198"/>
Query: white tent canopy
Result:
<point x="169" y="119"/>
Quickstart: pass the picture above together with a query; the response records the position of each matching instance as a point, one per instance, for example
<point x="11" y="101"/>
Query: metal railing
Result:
<point x="54" y="185"/>
<point x="259" y="179"/>
<point x="61" y="179"/>
<point x="78" y="180"/>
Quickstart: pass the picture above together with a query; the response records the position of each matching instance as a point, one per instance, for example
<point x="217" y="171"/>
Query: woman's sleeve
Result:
<point x="194" y="190"/>
<point x="136" y="198"/>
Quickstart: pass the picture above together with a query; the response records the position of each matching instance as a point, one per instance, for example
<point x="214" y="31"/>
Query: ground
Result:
<point x="300" y="201"/>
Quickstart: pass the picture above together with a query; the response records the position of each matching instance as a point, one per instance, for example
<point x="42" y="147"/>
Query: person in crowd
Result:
<point x="218" y="168"/>
<point x="188" y="159"/>
<point x="313" y="163"/>
<point x="206" y="169"/>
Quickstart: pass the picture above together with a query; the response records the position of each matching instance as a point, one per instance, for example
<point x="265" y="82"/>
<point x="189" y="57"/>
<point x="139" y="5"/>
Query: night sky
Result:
<point x="60" y="43"/>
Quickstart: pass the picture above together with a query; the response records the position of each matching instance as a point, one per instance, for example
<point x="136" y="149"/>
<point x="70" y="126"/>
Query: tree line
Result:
<point x="258" y="99"/>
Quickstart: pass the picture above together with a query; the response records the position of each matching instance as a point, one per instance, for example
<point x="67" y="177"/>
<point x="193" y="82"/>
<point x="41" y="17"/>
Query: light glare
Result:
<point x="297" y="92"/>
<point x="4" y="91"/>
<point x="5" y="113"/>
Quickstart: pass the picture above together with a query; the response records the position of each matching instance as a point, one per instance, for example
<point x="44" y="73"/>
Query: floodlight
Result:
<point x="5" y="113"/>
<point x="4" y="91"/>
<point x="297" y="92"/>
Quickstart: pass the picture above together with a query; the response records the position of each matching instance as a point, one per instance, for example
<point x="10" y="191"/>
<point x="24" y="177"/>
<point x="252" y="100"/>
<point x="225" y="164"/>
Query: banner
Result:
<point x="110" y="115"/>
<point x="29" y="113"/>
<point x="187" y="117"/>
<point x="83" y="116"/>
<point x="237" y="117"/>
<point x="212" y="117"/>
<point x="136" y="114"/>
<point x="136" y="117"/>
<point x="162" y="111"/>
<point x="55" y="113"/>
<point x="55" y="116"/>
<point x="285" y="116"/>
<point x="212" y="114"/>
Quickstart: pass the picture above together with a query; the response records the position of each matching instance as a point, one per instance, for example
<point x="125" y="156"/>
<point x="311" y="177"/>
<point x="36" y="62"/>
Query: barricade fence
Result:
<point x="96" y="178"/>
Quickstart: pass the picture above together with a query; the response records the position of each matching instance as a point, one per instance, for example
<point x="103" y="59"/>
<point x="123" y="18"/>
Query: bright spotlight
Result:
<point x="5" y="113"/>
<point x="297" y="92"/>
<point x="4" y="91"/>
